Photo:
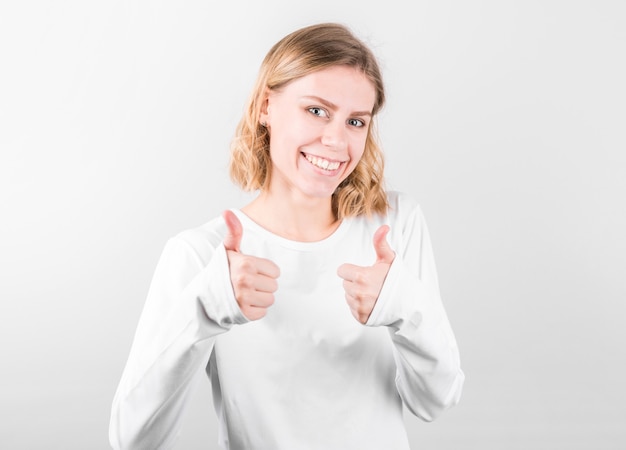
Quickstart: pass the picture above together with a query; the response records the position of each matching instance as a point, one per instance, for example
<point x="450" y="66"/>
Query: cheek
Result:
<point x="290" y="135"/>
<point x="355" y="160"/>
<point x="280" y="142"/>
<point x="357" y="149"/>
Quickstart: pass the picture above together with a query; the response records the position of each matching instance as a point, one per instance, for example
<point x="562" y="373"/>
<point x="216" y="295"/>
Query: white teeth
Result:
<point x="322" y="163"/>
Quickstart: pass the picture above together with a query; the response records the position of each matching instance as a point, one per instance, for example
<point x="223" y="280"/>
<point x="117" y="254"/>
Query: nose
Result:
<point x="335" y="135"/>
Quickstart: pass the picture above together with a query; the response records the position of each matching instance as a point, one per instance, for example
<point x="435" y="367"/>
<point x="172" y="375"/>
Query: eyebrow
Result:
<point x="334" y="107"/>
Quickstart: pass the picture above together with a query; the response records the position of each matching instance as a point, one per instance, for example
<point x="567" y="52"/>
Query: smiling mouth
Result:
<point x="324" y="164"/>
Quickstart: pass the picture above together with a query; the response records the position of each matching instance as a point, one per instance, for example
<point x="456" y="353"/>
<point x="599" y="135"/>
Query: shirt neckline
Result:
<point x="334" y="237"/>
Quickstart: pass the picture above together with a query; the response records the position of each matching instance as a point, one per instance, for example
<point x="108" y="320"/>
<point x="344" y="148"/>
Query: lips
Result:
<point x="323" y="163"/>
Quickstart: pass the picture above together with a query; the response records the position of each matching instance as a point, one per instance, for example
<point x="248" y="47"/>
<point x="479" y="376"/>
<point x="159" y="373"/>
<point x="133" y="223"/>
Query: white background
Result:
<point x="506" y="119"/>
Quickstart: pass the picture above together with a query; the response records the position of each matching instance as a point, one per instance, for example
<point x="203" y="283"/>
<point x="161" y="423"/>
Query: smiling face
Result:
<point x="318" y="125"/>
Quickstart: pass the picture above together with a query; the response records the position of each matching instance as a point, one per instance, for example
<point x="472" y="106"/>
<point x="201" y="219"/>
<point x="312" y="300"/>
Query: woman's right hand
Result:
<point x="253" y="279"/>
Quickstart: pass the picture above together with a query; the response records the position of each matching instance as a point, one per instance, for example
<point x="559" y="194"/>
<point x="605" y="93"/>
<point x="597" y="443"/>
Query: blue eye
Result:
<point x="356" y="122"/>
<point x="318" y="112"/>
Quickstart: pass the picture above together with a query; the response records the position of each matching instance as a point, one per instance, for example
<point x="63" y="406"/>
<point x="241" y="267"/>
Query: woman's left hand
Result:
<point x="363" y="284"/>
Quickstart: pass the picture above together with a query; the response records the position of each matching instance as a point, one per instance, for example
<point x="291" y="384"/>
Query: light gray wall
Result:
<point x="506" y="120"/>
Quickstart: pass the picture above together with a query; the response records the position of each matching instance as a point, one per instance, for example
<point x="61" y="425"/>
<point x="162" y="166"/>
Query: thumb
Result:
<point x="384" y="253"/>
<point x="235" y="231"/>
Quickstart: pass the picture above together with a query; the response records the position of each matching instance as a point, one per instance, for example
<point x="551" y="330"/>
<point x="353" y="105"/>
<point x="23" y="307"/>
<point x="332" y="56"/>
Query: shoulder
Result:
<point x="199" y="242"/>
<point x="402" y="207"/>
<point x="403" y="216"/>
<point x="406" y="219"/>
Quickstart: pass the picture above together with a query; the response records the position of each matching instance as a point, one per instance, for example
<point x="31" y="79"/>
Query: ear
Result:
<point x="264" y="113"/>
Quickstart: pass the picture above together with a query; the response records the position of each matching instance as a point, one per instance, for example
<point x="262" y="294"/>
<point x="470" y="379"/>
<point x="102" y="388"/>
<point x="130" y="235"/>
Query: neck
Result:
<point x="293" y="216"/>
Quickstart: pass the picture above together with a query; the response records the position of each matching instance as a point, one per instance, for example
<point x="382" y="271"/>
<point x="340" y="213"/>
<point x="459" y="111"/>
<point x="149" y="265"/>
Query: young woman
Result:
<point x="314" y="309"/>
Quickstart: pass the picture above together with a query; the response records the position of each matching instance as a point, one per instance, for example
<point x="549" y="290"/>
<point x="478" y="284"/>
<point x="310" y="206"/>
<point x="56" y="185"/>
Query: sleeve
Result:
<point x="428" y="377"/>
<point x="189" y="303"/>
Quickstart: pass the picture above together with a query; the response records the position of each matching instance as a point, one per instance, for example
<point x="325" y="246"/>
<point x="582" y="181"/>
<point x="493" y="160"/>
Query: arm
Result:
<point x="429" y="378"/>
<point x="188" y="304"/>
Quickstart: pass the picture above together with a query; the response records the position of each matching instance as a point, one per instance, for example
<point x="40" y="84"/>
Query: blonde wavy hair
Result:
<point x="300" y="53"/>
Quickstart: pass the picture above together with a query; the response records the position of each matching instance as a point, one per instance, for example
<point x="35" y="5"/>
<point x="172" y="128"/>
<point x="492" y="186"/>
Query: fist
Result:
<point x="254" y="280"/>
<point x="362" y="285"/>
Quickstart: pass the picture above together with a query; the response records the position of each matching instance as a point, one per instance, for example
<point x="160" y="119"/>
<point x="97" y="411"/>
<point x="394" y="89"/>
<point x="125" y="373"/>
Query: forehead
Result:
<point x="344" y="86"/>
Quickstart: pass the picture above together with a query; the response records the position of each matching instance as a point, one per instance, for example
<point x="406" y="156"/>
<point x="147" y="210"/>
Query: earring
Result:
<point x="264" y="124"/>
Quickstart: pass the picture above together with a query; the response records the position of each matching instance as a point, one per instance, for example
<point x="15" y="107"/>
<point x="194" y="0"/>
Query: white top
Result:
<point x="308" y="375"/>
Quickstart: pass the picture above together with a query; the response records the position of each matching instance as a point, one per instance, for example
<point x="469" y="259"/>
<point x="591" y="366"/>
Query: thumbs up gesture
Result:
<point x="253" y="279"/>
<point x="363" y="284"/>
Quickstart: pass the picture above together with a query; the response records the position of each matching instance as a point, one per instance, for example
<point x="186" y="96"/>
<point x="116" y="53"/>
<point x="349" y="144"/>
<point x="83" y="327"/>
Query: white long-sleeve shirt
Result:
<point x="308" y="375"/>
